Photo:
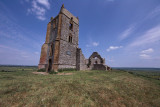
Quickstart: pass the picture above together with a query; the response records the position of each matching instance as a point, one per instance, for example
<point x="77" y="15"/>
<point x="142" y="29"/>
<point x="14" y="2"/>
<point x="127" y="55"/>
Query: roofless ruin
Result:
<point x="61" y="50"/>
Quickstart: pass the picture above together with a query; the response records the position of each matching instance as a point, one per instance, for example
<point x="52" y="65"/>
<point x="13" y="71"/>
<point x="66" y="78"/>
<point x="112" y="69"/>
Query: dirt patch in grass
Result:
<point x="42" y="73"/>
<point x="45" y="73"/>
<point x="65" y="74"/>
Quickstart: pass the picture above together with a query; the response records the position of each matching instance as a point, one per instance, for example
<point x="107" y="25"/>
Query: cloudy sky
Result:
<point x="125" y="32"/>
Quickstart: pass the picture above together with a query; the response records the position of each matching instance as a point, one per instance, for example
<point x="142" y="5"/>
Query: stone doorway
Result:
<point x="96" y="62"/>
<point x="50" y="65"/>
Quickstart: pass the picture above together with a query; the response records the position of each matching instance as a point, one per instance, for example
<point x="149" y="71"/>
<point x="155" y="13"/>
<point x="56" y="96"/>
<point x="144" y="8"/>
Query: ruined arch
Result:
<point x="95" y="58"/>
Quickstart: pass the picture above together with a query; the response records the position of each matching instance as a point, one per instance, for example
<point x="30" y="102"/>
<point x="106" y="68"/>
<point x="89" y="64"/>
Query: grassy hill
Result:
<point x="82" y="88"/>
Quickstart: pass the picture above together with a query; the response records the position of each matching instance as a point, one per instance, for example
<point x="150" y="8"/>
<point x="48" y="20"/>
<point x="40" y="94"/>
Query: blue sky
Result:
<point x="125" y="32"/>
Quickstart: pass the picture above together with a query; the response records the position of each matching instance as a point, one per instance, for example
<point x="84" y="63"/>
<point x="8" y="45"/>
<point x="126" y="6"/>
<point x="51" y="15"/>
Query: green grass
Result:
<point x="153" y="73"/>
<point x="83" y="88"/>
<point x="147" y="74"/>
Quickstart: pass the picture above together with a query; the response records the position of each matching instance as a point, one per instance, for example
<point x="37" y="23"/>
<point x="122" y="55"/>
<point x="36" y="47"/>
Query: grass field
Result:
<point x="83" y="88"/>
<point x="153" y="73"/>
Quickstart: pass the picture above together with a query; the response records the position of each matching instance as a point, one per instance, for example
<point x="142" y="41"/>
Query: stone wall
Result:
<point x="56" y="29"/>
<point x="99" y="67"/>
<point x="43" y="58"/>
<point x="43" y="63"/>
<point x="69" y="15"/>
<point x="65" y="31"/>
<point x="67" y="52"/>
<point x="67" y="55"/>
<point x="96" y="62"/>
<point x="47" y="50"/>
<point x="81" y="61"/>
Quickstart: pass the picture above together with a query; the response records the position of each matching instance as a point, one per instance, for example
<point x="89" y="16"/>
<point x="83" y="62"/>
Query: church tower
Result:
<point x="60" y="48"/>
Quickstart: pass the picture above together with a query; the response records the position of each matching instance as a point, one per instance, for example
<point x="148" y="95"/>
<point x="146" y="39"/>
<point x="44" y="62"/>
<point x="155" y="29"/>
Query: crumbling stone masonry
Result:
<point x="60" y="49"/>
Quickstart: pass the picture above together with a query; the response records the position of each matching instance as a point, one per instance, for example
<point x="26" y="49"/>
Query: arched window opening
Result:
<point x="51" y="50"/>
<point x="70" y="38"/>
<point x="101" y="61"/>
<point x="54" y="25"/>
<point x="71" y="24"/>
<point x="95" y="58"/>
<point x="96" y="62"/>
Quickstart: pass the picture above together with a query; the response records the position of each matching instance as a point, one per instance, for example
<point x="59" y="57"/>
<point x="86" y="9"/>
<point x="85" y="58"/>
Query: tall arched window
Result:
<point x="70" y="38"/>
<point x="51" y="50"/>
<point x="71" y="24"/>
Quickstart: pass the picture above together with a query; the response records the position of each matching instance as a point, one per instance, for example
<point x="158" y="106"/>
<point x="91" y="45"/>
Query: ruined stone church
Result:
<point x="61" y="50"/>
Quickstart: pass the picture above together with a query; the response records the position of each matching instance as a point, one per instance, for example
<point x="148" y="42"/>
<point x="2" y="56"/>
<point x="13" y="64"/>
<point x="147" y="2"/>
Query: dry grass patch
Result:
<point x="65" y="74"/>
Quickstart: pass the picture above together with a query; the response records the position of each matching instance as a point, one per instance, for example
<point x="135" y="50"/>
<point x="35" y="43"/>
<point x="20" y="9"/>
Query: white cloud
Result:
<point x="38" y="10"/>
<point x="92" y="44"/>
<point x="45" y="3"/>
<point x="41" y="17"/>
<point x="149" y="37"/>
<point x="95" y="43"/>
<point x="114" y="48"/>
<point x="145" y="56"/>
<point x="150" y="50"/>
<point x="144" y="53"/>
<point x="127" y="32"/>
